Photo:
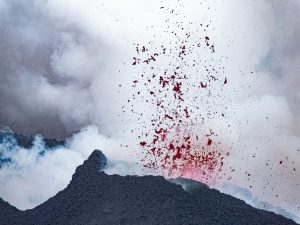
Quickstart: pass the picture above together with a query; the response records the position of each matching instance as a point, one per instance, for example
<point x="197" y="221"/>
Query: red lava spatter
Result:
<point x="185" y="91"/>
<point x="182" y="155"/>
<point x="175" y="145"/>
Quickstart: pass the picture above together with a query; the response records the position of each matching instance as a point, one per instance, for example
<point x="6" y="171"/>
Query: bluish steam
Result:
<point x="11" y="143"/>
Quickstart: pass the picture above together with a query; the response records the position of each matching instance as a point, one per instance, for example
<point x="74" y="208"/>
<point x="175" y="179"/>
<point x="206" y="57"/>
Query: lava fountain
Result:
<point x="184" y="93"/>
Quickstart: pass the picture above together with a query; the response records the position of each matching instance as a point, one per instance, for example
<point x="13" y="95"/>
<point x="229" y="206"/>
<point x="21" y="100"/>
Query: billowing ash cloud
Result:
<point x="68" y="64"/>
<point x="282" y="60"/>
<point x="54" y="60"/>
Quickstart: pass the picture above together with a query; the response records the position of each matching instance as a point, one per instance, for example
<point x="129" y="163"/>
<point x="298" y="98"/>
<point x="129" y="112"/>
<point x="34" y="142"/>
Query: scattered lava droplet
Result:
<point x="203" y="85"/>
<point x="143" y="143"/>
<point x="225" y="81"/>
<point x="209" y="142"/>
<point x="177" y="87"/>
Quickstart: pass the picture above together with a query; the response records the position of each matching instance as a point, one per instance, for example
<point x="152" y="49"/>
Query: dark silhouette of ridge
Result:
<point x="95" y="198"/>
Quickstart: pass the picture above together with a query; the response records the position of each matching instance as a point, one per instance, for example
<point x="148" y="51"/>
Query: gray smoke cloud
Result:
<point x="53" y="68"/>
<point x="62" y="63"/>
<point x="283" y="58"/>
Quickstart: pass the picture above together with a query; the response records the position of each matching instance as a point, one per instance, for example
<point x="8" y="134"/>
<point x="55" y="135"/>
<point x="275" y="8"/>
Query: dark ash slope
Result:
<point x="93" y="198"/>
